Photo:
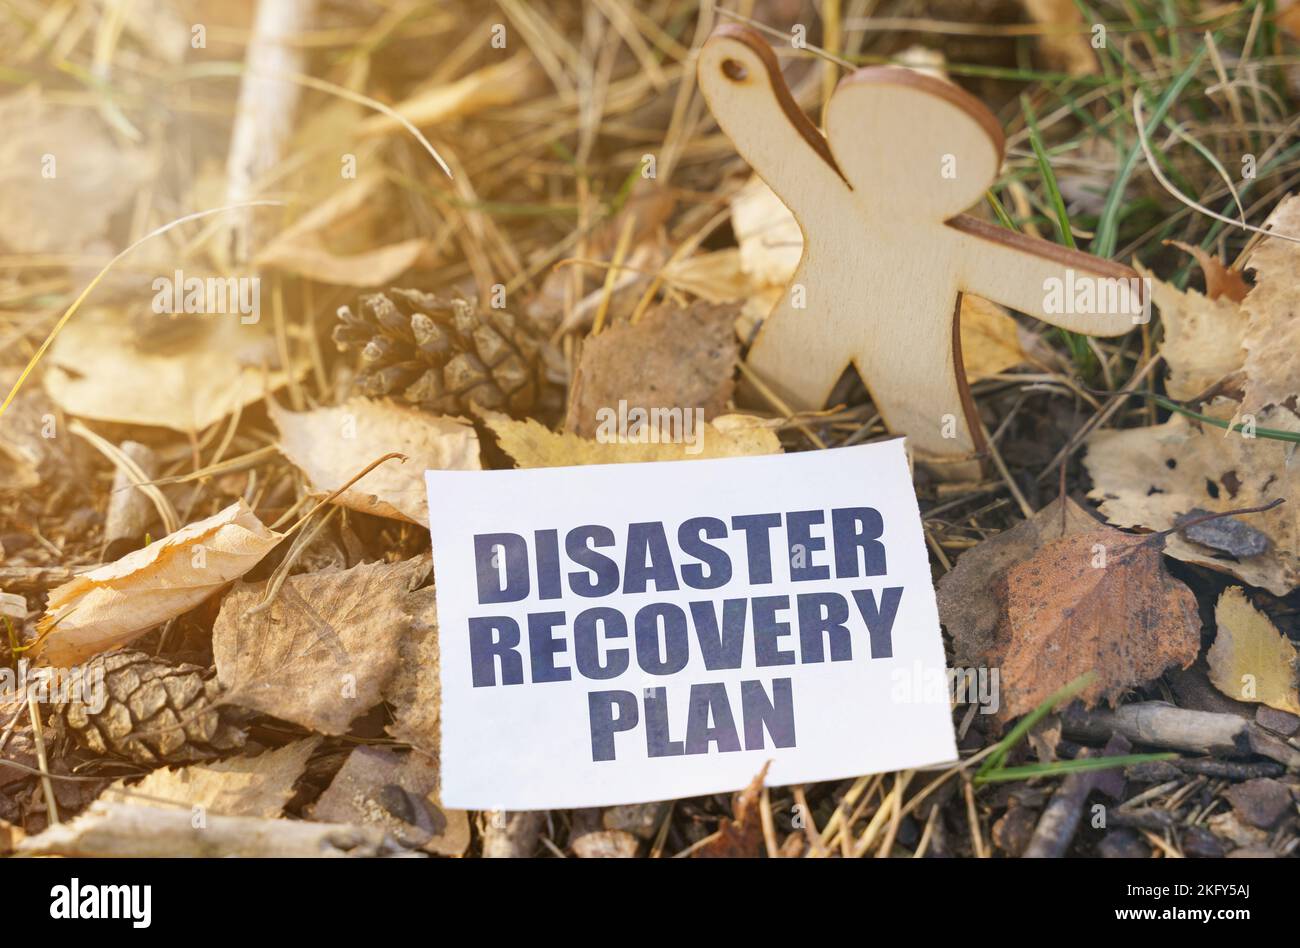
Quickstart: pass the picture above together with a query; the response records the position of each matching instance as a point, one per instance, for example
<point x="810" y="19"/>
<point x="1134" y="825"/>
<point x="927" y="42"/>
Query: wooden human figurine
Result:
<point x="887" y="251"/>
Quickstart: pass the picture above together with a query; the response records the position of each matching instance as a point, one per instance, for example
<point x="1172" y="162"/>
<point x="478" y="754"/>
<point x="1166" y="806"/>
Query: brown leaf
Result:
<point x="1149" y="477"/>
<point x="415" y="691"/>
<point x="397" y="793"/>
<point x="674" y="358"/>
<point x="1250" y="659"/>
<point x="109" y="606"/>
<point x="968" y="604"/>
<point x="1203" y="337"/>
<point x="324" y="650"/>
<point x="330" y="445"/>
<point x="240" y="786"/>
<point x="1220" y="281"/>
<point x="1098" y="602"/>
<point x="742" y="835"/>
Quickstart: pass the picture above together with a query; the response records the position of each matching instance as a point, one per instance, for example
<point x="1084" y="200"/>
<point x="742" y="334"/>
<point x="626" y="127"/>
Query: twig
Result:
<point x="38" y="736"/>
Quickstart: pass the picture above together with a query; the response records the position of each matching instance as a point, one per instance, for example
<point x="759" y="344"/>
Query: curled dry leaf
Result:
<point x="395" y="792"/>
<point x="968" y="603"/>
<point x="742" y="835"/>
<point x="240" y="786"/>
<point x="97" y="368"/>
<point x="771" y="245"/>
<point x="1149" y="477"/>
<point x="330" y="445"/>
<point x="1250" y="659"/>
<point x="109" y="606"/>
<point x="728" y="436"/>
<point x="324" y="649"/>
<point x="300" y="248"/>
<point x="1098" y="602"/>
<point x="674" y="358"/>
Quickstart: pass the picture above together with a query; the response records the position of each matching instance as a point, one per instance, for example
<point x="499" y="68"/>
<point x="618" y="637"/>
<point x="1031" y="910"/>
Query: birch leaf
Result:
<point x="1250" y="659"/>
<point x="241" y="786"/>
<point x="325" y="648"/>
<point x="329" y="445"/>
<point x="110" y="606"/>
<point x="727" y="436"/>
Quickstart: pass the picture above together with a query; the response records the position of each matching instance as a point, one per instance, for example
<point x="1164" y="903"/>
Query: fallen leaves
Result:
<point x="1250" y="659"/>
<point x="967" y="597"/>
<point x="324" y="649"/>
<point x="99" y="369"/>
<point x="241" y="786"/>
<point x="1151" y="477"/>
<point x="742" y="835"/>
<point x="673" y="358"/>
<point x="534" y="445"/>
<point x="329" y="445"/>
<point x="109" y="606"/>
<point x="1101" y="602"/>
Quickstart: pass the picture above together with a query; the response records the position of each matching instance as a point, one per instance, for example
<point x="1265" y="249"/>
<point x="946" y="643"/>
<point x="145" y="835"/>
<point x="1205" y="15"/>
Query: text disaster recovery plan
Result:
<point x="602" y="641"/>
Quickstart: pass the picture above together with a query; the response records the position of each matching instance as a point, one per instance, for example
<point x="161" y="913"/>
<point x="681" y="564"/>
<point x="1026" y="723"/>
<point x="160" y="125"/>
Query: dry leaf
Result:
<point x="1272" y="339"/>
<point x="1203" y="337"/>
<point x="990" y="339"/>
<point x="682" y="358"/>
<point x="324" y="649"/>
<point x="29" y="450"/>
<point x="330" y="445"/>
<point x="534" y="445"/>
<point x="1068" y="47"/>
<point x="1220" y="281"/>
<point x="415" y="691"/>
<point x="492" y="86"/>
<point x="108" y="607"/>
<point x="300" y="248"/>
<point x="1250" y="659"/>
<point x="1098" y="602"/>
<point x="62" y="177"/>
<point x="397" y="793"/>
<point x="1149" y="477"/>
<point x="968" y="604"/>
<point x="742" y="835"/>
<point x="241" y="786"/>
<point x="96" y="371"/>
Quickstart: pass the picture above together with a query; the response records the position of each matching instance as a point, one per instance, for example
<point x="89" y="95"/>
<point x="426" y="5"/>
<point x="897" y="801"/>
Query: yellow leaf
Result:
<point x="1250" y="659"/>
<point x="109" y="606"/>
<point x="534" y="445"/>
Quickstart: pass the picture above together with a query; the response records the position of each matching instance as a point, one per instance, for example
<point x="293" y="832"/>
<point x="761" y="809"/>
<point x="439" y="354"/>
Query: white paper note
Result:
<point x="633" y="632"/>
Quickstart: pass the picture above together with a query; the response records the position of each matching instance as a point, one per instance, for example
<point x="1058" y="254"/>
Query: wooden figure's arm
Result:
<point x="741" y="80"/>
<point x="1043" y="279"/>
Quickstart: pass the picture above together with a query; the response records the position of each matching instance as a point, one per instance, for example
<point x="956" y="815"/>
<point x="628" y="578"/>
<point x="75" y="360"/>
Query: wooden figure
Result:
<point x="887" y="252"/>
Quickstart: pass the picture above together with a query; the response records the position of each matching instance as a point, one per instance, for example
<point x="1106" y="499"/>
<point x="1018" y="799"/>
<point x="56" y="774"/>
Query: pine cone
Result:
<point x="442" y="353"/>
<point x="154" y="712"/>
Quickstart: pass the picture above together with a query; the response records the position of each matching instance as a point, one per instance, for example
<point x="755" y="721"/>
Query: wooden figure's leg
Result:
<point x="917" y="386"/>
<point x="798" y="364"/>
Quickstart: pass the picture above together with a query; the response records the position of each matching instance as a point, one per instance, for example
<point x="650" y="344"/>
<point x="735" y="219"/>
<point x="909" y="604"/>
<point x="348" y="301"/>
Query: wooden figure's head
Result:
<point x="909" y="145"/>
<point x="914" y="146"/>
